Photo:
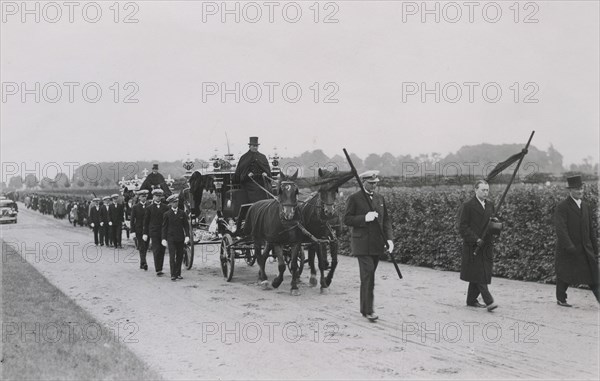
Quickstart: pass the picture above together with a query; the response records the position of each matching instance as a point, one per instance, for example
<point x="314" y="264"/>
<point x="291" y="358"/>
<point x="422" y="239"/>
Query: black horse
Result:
<point x="276" y="223"/>
<point x="319" y="217"/>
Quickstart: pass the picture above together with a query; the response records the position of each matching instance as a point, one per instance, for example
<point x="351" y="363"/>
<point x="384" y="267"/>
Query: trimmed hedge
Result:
<point x="425" y="231"/>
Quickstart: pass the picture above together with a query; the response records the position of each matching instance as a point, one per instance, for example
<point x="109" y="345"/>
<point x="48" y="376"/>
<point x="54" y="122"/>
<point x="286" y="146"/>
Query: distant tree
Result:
<point x="15" y="182"/>
<point x="588" y="166"/>
<point x="31" y="181"/>
<point x="61" y="181"/>
<point x="555" y="160"/>
<point x="373" y="161"/>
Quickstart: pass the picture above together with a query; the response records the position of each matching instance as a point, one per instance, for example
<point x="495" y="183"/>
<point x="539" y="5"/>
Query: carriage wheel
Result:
<point x="287" y="256"/>
<point x="188" y="255"/>
<point x="227" y="257"/>
<point x="249" y="257"/>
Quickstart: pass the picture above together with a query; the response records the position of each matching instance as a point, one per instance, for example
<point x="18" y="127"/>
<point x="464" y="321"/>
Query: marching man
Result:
<point x="153" y="219"/>
<point x="95" y="218"/>
<point x="175" y="235"/>
<point x="367" y="243"/>
<point x="137" y="226"/>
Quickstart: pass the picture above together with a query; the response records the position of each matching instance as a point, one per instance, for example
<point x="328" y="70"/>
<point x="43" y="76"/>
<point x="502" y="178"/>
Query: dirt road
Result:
<point x="204" y="327"/>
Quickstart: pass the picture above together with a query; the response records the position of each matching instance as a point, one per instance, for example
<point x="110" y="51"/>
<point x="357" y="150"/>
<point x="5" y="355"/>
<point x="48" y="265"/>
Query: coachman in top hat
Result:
<point x="251" y="172"/>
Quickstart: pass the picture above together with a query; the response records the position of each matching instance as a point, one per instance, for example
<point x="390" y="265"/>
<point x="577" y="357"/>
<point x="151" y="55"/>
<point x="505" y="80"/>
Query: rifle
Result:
<point x="368" y="199"/>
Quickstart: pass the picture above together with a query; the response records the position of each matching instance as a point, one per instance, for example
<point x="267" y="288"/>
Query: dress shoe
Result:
<point x="179" y="277"/>
<point x="476" y="304"/>
<point x="173" y="279"/>
<point x="492" y="306"/>
<point x="371" y="317"/>
<point x="145" y="267"/>
<point x="563" y="304"/>
<point x="159" y="273"/>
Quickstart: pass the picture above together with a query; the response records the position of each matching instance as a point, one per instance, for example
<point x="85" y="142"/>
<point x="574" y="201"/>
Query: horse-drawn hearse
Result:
<point x="283" y="225"/>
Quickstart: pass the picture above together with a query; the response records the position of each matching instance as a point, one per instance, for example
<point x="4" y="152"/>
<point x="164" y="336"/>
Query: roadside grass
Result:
<point x="46" y="336"/>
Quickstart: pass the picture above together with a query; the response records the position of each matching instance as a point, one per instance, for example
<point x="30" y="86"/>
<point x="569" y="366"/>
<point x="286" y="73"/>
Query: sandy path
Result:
<point x="204" y="327"/>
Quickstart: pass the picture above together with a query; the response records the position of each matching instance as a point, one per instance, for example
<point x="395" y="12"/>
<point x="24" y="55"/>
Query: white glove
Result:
<point x="132" y="235"/>
<point x="101" y="223"/>
<point x="186" y="240"/>
<point x="110" y="223"/>
<point x="371" y="216"/>
<point x="390" y="246"/>
<point x="250" y="174"/>
<point x="145" y="237"/>
<point x="164" y="242"/>
<point x="92" y="224"/>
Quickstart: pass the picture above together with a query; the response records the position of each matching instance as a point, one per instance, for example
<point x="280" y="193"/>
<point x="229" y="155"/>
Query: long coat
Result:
<point x="175" y="226"/>
<point x="576" y="244"/>
<point x="95" y="215"/>
<point x="472" y="219"/>
<point x="153" y="219"/>
<point x="366" y="239"/>
<point x="137" y="218"/>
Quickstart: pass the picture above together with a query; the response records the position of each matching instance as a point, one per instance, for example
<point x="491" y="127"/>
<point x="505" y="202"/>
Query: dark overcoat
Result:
<point x="175" y="226"/>
<point x="137" y="218"/>
<point x="153" y="219"/>
<point x="576" y="244"/>
<point x="365" y="236"/>
<point x="472" y="219"/>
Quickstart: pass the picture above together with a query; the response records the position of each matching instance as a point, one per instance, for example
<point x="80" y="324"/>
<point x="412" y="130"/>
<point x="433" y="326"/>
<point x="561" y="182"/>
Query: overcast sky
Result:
<point x="368" y="61"/>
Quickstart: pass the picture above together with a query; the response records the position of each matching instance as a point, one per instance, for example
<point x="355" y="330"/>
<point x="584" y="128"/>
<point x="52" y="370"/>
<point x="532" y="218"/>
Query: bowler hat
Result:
<point x="253" y="141"/>
<point x="370" y="176"/>
<point x="574" y="182"/>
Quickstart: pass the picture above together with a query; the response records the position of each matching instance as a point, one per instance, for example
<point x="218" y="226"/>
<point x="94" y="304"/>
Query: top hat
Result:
<point x="154" y="166"/>
<point x="370" y="176"/>
<point x="574" y="182"/>
<point x="253" y="141"/>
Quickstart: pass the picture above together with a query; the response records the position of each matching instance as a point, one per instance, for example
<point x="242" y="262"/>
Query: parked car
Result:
<point x="8" y="210"/>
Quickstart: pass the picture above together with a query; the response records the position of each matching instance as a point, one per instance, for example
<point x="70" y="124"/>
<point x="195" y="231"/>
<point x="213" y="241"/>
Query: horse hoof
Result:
<point x="295" y="292"/>
<point x="277" y="282"/>
<point x="324" y="290"/>
<point x="313" y="281"/>
<point x="265" y="285"/>
<point x="328" y="282"/>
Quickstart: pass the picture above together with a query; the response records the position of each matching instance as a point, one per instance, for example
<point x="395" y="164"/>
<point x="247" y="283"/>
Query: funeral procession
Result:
<point x="310" y="190"/>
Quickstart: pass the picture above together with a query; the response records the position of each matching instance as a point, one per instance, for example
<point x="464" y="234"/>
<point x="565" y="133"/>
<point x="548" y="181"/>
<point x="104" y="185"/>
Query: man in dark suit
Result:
<point x="116" y="215"/>
<point x="95" y="218"/>
<point x="253" y="165"/>
<point x="153" y="219"/>
<point x="137" y="226"/>
<point x="105" y="224"/>
<point x="477" y="268"/>
<point x="367" y="243"/>
<point x="576" y="244"/>
<point x="175" y="234"/>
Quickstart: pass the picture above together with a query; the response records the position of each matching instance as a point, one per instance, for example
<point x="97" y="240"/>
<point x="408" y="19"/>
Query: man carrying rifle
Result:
<point x="477" y="252"/>
<point x="367" y="241"/>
